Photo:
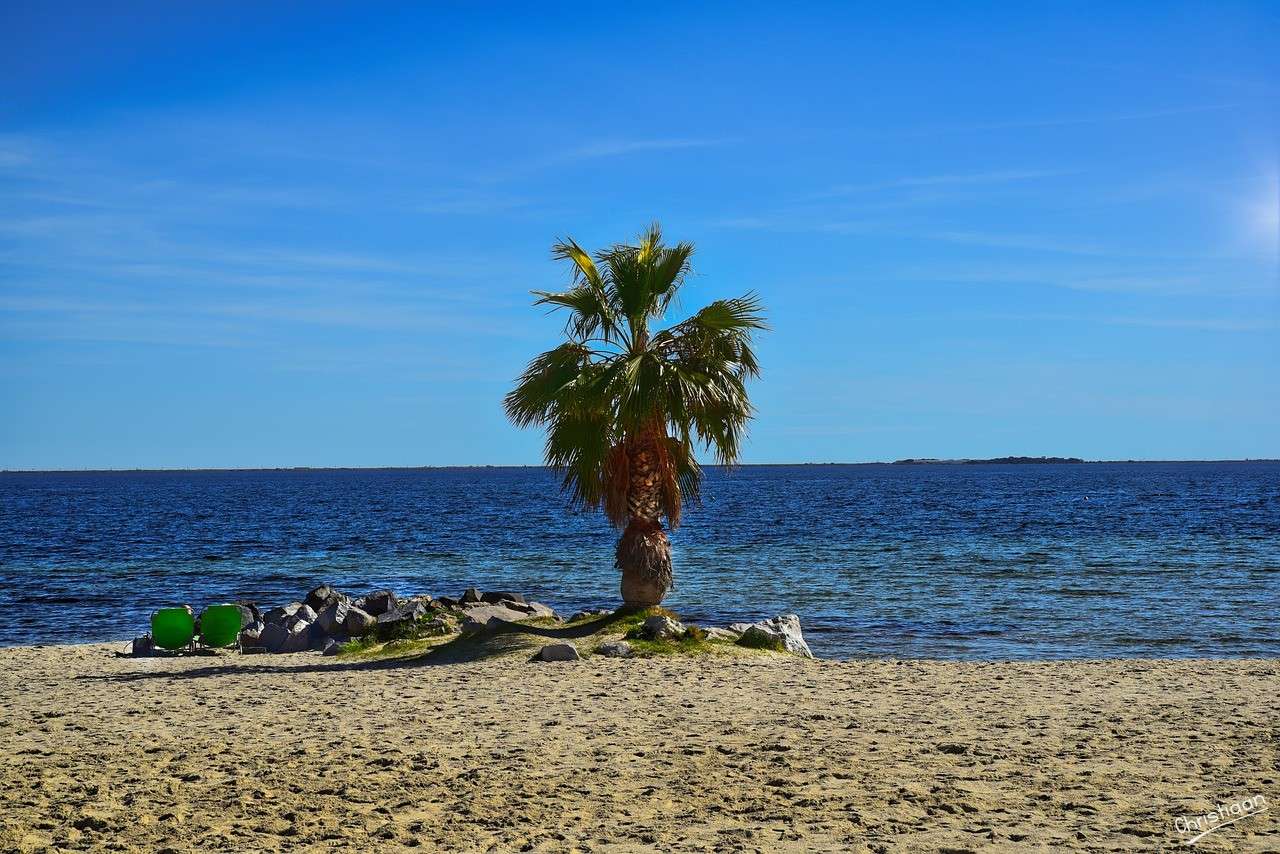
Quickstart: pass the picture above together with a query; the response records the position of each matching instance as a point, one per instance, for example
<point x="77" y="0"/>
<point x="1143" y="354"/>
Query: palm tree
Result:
<point x="624" y="406"/>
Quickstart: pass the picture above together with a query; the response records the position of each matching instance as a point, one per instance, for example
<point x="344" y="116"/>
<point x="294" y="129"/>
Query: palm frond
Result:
<point x="590" y="300"/>
<point x="544" y="382"/>
<point x="666" y="393"/>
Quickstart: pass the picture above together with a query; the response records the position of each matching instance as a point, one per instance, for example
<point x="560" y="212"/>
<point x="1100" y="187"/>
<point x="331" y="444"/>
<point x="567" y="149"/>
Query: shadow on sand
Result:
<point x="497" y="639"/>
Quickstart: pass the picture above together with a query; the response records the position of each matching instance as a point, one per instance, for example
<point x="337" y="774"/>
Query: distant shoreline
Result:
<point x="911" y="461"/>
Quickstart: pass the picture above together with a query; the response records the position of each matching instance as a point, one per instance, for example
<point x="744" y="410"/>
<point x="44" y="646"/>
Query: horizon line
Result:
<point x="906" y="461"/>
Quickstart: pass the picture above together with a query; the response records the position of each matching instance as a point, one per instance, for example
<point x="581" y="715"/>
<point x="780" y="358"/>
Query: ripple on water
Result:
<point x="935" y="561"/>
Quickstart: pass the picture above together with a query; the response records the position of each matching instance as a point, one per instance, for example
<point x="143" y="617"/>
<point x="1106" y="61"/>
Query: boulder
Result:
<point x="284" y="612"/>
<point x="249" y="614"/>
<point x="739" y="628"/>
<point x="558" y="652"/>
<point x="358" y="622"/>
<point x="479" y="616"/>
<point x="400" y="617"/>
<point x="333" y="619"/>
<point x="531" y="609"/>
<point x="250" y="634"/>
<point x="660" y="627"/>
<point x="784" y="630"/>
<point x="331" y="647"/>
<point x="322" y="597"/>
<point x="715" y="633"/>
<point x="409" y="610"/>
<point x="301" y="620"/>
<point x="471" y="594"/>
<point x="378" y="602"/>
<point x="448" y="602"/>
<point x="614" y="649"/>
<point x="494" y="597"/>
<point x="276" y="638"/>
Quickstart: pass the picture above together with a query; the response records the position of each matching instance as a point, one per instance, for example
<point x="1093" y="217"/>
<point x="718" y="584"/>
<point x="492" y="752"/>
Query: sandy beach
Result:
<point x="304" y="753"/>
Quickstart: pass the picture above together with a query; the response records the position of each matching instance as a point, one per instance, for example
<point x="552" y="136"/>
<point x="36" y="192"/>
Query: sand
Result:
<point x="304" y="753"/>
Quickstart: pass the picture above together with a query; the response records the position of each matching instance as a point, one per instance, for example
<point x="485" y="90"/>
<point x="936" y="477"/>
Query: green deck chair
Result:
<point x="220" y="626"/>
<point x="172" y="628"/>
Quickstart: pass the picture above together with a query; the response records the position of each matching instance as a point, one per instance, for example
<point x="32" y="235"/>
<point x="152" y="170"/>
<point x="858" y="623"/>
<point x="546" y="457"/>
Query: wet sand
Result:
<point x="304" y="753"/>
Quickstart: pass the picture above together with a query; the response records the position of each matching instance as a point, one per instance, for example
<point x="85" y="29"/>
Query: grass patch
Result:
<point x="684" y="645"/>
<point x="356" y="646"/>
<point x="694" y="641"/>
<point x="627" y="620"/>
<point x="502" y="639"/>
<point x="371" y="646"/>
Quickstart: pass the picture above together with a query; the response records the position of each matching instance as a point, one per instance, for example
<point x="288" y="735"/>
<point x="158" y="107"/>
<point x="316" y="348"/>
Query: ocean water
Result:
<point x="939" y="561"/>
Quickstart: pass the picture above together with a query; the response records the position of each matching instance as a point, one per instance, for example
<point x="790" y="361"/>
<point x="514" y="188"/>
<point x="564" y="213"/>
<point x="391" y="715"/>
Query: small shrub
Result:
<point x="694" y="633"/>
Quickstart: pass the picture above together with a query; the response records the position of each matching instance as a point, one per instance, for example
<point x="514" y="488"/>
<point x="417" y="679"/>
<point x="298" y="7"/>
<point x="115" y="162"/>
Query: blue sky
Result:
<point x="303" y="234"/>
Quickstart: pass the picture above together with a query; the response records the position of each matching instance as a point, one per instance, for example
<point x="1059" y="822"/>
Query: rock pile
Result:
<point x="326" y="618"/>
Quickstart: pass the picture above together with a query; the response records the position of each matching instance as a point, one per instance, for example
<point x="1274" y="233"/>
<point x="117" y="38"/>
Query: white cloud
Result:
<point x="1003" y="176"/>
<point x="618" y="147"/>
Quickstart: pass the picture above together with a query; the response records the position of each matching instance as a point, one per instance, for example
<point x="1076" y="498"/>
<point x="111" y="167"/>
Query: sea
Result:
<point x="947" y="561"/>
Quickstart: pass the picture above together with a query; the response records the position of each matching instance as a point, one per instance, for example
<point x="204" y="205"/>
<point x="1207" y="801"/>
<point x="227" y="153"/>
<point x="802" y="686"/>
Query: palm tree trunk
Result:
<point x="644" y="551"/>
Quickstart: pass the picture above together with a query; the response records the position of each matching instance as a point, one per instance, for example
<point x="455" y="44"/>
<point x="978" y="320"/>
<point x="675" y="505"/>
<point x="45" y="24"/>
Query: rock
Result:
<point x="301" y="620"/>
<point x="590" y="613"/>
<point x="715" y="633"/>
<point x="531" y="609"/>
<point x="479" y="616"/>
<point x="249" y="614"/>
<point x="614" y="649"/>
<point x="739" y="628"/>
<point x="251" y="635"/>
<point x="495" y="598"/>
<point x="660" y="627"/>
<point x="448" y="602"/>
<point x="410" y="610"/>
<point x="322" y="597"/>
<point x="284" y="612"/>
<point x="275" y="638"/>
<point x="784" y="630"/>
<point x="471" y="594"/>
<point x="331" y="647"/>
<point x="558" y="652"/>
<point x="333" y="619"/>
<point x="359" y="623"/>
<point x="401" y="617"/>
<point x="378" y="602"/>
